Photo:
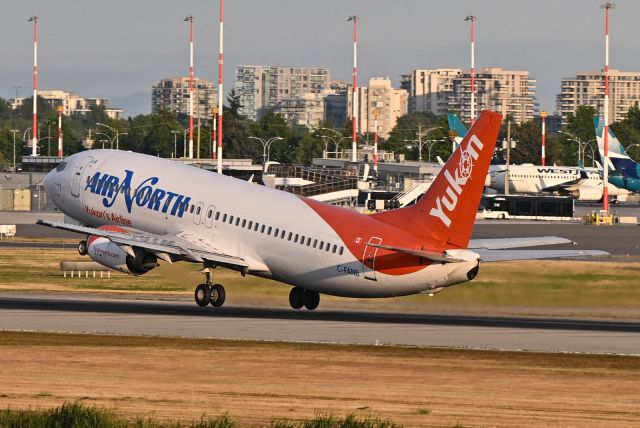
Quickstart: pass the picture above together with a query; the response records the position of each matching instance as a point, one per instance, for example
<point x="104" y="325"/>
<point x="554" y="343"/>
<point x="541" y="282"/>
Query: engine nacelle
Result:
<point x="108" y="254"/>
<point x="588" y="194"/>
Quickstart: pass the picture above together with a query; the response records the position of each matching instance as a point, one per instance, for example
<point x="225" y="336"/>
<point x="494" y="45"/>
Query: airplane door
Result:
<point x="208" y="220"/>
<point x="197" y="213"/>
<point x="76" y="179"/>
<point x="369" y="258"/>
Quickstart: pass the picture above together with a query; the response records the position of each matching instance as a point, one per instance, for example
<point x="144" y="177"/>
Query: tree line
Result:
<point x="163" y="134"/>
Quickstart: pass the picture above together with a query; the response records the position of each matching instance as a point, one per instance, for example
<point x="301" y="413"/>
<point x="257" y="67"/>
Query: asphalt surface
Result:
<point x="90" y="314"/>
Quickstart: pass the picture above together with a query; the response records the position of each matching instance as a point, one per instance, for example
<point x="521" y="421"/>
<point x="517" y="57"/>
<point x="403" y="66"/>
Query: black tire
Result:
<point x="296" y="297"/>
<point x="218" y="295"/>
<point x="82" y="248"/>
<point x="202" y="295"/>
<point x="501" y="217"/>
<point x="311" y="299"/>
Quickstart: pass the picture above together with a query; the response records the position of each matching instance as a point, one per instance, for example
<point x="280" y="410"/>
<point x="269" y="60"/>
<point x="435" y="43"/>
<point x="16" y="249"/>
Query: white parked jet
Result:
<point x="137" y="209"/>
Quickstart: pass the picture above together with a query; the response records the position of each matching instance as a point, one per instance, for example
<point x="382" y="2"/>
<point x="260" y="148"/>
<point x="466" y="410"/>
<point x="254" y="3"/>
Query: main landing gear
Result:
<point x="299" y="297"/>
<point x="209" y="293"/>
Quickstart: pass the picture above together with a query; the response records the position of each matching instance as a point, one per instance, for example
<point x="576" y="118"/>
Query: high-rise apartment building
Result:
<point x="503" y="91"/>
<point x="430" y="90"/>
<point x="379" y="99"/>
<point x="588" y="89"/>
<point x="173" y="95"/>
<point x="295" y="92"/>
<point x="72" y="103"/>
<point x="445" y="90"/>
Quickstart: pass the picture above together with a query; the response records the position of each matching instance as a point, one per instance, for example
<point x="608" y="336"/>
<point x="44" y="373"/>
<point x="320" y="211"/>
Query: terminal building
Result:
<point x="72" y="104"/>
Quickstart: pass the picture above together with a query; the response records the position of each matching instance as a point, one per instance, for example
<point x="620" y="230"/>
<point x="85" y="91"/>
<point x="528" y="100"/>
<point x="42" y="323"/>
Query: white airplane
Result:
<point x="584" y="184"/>
<point x="137" y="209"/>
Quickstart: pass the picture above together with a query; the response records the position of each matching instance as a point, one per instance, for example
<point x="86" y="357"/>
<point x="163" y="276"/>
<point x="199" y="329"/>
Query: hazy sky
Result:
<point x="117" y="48"/>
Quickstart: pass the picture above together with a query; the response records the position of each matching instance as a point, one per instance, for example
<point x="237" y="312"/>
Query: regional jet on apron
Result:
<point x="137" y="210"/>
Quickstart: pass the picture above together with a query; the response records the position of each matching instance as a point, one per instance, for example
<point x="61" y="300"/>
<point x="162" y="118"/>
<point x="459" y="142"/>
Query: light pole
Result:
<point x="376" y="113"/>
<point x="335" y="140"/>
<point x="116" y="132"/>
<point x="14" y="131"/>
<point x="543" y="119"/>
<point x="189" y="19"/>
<point x="581" y="145"/>
<point x="354" y="134"/>
<point x="60" y="110"/>
<point x="472" y="18"/>
<point x="420" y="144"/>
<point x="220" y="91"/>
<point x="605" y="188"/>
<point x="34" y="150"/>
<point x="175" y="143"/>
<point x="266" y="146"/>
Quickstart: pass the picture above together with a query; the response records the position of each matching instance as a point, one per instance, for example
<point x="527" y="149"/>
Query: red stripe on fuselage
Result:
<point x="356" y="229"/>
<point x="108" y="228"/>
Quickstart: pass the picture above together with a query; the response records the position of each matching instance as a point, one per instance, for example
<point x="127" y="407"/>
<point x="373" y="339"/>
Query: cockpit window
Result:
<point x="61" y="166"/>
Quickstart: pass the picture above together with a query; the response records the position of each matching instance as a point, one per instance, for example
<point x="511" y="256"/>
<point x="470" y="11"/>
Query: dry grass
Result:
<point x="259" y="382"/>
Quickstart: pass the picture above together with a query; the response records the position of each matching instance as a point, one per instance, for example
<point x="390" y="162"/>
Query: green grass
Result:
<point x="545" y="284"/>
<point x="76" y="415"/>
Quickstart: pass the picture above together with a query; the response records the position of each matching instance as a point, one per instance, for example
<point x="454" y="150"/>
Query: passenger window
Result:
<point x="269" y="230"/>
<point x="262" y="229"/>
<point x="217" y="214"/>
<point x="328" y="248"/>
<point x="321" y="245"/>
<point x="255" y="227"/>
<point x="315" y="243"/>
<point x="341" y="250"/>
<point x="250" y="224"/>
<point x="237" y="221"/>
<point x="209" y="213"/>
<point x="308" y="241"/>
<point x="230" y="219"/>
<point x="198" y="211"/>
<point x="224" y="218"/>
<point x="302" y="239"/>
<point x="276" y="233"/>
<point x="244" y="223"/>
<point x="289" y="237"/>
<point x="282" y="234"/>
<point x="191" y="209"/>
<point x="295" y="239"/>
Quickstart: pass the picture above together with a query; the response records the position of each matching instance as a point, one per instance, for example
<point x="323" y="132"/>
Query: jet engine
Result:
<point x="587" y="194"/>
<point x="131" y="260"/>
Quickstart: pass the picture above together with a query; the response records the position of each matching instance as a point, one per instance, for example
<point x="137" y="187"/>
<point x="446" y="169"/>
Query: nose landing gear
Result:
<point x="299" y="297"/>
<point x="209" y="293"/>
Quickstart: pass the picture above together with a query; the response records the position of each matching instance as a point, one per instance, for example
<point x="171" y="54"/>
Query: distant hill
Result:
<point x="134" y="104"/>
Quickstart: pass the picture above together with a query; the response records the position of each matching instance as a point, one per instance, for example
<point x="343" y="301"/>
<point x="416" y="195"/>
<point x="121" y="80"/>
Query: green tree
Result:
<point x="628" y="131"/>
<point x="580" y="125"/>
<point x="406" y="129"/>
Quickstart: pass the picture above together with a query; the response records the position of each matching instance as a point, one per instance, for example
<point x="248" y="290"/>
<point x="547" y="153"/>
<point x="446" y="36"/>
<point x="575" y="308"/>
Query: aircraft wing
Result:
<point x="185" y="245"/>
<point x="506" y="255"/>
<point x="504" y="243"/>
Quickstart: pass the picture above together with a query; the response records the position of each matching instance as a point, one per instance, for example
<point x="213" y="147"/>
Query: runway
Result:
<point x="91" y="314"/>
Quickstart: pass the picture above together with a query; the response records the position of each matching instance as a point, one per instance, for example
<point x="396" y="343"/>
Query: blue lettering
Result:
<point x="154" y="203"/>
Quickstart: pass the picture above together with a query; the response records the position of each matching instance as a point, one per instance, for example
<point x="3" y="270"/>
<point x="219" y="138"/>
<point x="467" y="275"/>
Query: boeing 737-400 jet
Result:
<point x="584" y="184"/>
<point x="137" y="209"/>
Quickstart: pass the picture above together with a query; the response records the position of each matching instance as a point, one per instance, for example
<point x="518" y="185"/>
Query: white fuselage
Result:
<point x="106" y="187"/>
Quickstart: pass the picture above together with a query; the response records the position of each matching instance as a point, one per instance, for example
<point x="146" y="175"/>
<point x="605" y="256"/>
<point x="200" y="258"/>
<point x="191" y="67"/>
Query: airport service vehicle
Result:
<point x="527" y="207"/>
<point x="137" y="209"/>
<point x="624" y="172"/>
<point x="584" y="184"/>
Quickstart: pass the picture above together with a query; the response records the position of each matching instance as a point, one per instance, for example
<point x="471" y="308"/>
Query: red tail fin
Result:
<point x="446" y="213"/>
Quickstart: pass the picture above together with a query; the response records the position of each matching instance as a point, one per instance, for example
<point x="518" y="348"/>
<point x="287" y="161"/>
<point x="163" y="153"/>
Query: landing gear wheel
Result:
<point x="311" y="299"/>
<point x="218" y="295"/>
<point x="82" y="248"/>
<point x="296" y="297"/>
<point x="203" y="295"/>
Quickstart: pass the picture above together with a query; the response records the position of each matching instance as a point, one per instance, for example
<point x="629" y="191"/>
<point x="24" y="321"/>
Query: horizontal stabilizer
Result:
<point x="435" y="256"/>
<point x="503" y="243"/>
<point x="506" y="255"/>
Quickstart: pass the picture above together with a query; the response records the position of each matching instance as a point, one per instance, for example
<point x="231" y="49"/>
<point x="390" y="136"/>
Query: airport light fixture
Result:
<point x="605" y="188"/>
<point x="175" y="142"/>
<point x="266" y="147"/>
<point x="420" y="143"/>
<point x="220" y="91"/>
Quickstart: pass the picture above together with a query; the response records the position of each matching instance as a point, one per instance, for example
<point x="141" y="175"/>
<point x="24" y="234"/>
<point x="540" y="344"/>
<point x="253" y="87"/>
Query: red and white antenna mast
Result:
<point x="472" y="18"/>
<point x="354" y="107"/>
<point x="60" y="109"/>
<point x="220" y="90"/>
<point x="605" y="173"/>
<point x="190" y="20"/>
<point x="543" y="119"/>
<point x="34" y="148"/>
